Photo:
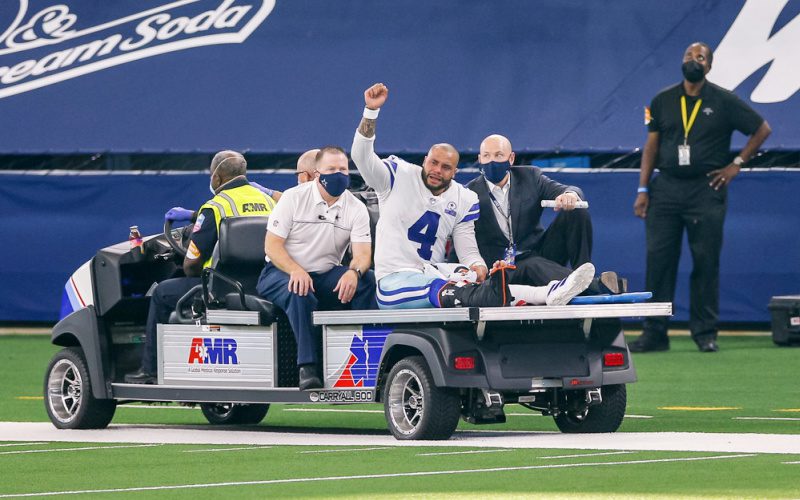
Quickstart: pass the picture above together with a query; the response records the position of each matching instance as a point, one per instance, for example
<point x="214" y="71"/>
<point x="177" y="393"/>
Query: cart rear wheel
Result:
<point x="68" y="395"/>
<point x="603" y="417"/>
<point x="414" y="407"/>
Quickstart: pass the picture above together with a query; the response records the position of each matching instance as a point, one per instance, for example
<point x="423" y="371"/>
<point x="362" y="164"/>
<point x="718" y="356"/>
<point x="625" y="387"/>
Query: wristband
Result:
<point x="357" y="271"/>
<point x="738" y="161"/>
<point x="643" y="190"/>
<point x="371" y="114"/>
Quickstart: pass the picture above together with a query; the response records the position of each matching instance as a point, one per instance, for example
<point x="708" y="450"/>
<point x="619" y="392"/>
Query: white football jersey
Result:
<point x="414" y="225"/>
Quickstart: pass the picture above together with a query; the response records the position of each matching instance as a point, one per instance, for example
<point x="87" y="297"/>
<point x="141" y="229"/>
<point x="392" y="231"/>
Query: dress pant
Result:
<point x="567" y="241"/>
<point x="273" y="285"/>
<point x="690" y="204"/>
<point x="162" y="303"/>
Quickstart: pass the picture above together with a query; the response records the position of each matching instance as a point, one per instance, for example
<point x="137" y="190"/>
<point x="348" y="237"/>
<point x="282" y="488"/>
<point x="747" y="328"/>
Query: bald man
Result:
<point x="306" y="166"/>
<point x="509" y="228"/>
<point x="421" y="208"/>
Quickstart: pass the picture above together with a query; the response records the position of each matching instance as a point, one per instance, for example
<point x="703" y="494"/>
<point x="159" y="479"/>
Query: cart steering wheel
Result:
<point x="178" y="238"/>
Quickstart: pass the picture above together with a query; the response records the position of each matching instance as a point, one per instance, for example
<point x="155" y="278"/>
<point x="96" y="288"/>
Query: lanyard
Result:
<point x="688" y="126"/>
<point x="507" y="217"/>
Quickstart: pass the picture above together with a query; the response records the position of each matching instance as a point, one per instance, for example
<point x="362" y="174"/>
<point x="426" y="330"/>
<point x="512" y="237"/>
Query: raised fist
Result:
<point x="375" y="96"/>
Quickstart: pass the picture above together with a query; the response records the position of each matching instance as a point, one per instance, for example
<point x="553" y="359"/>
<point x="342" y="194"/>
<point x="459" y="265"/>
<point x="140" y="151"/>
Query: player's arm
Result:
<point x="201" y="243"/>
<point x="378" y="174"/>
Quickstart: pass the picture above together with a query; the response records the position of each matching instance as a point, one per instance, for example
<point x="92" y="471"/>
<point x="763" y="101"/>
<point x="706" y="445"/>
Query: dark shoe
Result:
<point x="611" y="283"/>
<point x="647" y="343"/>
<point x="309" y="378"/>
<point x="708" y="345"/>
<point x="141" y="377"/>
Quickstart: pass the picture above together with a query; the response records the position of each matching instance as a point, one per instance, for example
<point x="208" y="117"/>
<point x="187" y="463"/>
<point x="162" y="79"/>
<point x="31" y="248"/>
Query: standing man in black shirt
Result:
<point x="689" y="138"/>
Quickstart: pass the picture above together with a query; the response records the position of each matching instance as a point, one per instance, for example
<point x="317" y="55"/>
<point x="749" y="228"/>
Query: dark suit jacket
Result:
<point x="528" y="187"/>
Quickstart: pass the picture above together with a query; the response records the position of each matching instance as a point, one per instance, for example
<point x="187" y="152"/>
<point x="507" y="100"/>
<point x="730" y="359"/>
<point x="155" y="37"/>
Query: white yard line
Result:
<point x="52" y="450"/>
<point x="461" y="452"/>
<point x="338" y="450"/>
<point x="209" y="450"/>
<point x="791" y="463"/>
<point x="331" y="410"/>
<point x="371" y="476"/>
<point x="20" y="444"/>
<point x="589" y="454"/>
<point x="793" y="419"/>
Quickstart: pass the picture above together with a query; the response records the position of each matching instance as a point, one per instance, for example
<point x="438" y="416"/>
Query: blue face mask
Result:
<point x="334" y="183"/>
<point x="494" y="171"/>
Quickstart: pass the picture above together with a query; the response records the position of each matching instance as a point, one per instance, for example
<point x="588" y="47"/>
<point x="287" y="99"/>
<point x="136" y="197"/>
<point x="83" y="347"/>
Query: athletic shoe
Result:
<point x="561" y="292"/>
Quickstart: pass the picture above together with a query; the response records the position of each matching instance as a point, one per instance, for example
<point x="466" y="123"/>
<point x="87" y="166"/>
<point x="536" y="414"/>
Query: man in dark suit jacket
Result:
<point x="510" y="220"/>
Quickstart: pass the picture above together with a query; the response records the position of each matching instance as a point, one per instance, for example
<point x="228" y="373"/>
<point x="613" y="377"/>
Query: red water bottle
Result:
<point x="135" y="239"/>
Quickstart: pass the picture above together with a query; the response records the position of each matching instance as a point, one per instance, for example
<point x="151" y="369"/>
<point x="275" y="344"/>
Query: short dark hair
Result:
<point x="328" y="149"/>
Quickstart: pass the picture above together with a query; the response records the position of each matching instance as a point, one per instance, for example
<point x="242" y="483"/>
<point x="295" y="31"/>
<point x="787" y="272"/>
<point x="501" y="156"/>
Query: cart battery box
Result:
<point x="785" y="311"/>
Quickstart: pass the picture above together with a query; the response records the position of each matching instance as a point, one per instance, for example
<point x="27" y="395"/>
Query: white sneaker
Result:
<point x="561" y="292"/>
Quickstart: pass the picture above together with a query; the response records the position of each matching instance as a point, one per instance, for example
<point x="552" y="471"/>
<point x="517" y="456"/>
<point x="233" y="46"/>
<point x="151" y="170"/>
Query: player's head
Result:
<point x="332" y="172"/>
<point x="439" y="167"/>
<point x="306" y="165"/>
<point x="495" y="157"/>
<point x="697" y="61"/>
<point x="225" y="166"/>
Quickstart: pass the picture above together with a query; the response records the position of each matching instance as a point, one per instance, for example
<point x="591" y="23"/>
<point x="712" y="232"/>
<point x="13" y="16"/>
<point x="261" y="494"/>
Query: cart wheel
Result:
<point x="414" y="407"/>
<point x="603" y="417"/>
<point x="234" y="414"/>
<point x="68" y="395"/>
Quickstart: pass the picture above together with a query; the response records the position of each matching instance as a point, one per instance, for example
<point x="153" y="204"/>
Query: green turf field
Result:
<point x="189" y="471"/>
<point x="734" y="390"/>
<point x="748" y="387"/>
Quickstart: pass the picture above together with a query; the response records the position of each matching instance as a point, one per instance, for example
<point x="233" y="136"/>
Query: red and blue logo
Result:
<point x="361" y="367"/>
<point x="218" y="351"/>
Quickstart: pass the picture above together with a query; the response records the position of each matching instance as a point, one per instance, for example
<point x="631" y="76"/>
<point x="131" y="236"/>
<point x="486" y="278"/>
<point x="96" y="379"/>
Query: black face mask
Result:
<point x="692" y="71"/>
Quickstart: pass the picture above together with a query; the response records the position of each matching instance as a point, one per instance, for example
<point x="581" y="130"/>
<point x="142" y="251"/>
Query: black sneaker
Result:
<point x="309" y="378"/>
<point x="141" y="377"/>
<point x="707" y="345"/>
<point x="646" y="343"/>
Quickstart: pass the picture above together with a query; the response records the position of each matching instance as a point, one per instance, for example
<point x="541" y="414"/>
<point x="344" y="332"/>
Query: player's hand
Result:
<point x="481" y="271"/>
<point x="566" y="201"/>
<point x="347" y="286"/>
<point x="300" y="282"/>
<point x="723" y="176"/>
<point x="640" y="205"/>
<point x="375" y="96"/>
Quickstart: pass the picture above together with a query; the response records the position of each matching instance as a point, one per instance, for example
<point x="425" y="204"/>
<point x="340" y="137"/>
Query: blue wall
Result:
<point x="51" y="224"/>
<point x="560" y="74"/>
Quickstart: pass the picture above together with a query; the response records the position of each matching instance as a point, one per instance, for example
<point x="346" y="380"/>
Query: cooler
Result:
<point x="785" y="311"/>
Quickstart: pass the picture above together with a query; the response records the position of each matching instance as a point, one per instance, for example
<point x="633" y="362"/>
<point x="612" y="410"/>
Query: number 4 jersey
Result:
<point x="414" y="225"/>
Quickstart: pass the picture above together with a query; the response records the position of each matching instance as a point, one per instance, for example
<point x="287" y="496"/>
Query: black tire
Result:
<point x="604" y="417"/>
<point x="234" y="414"/>
<point x="414" y="407"/>
<point x="68" y="395"/>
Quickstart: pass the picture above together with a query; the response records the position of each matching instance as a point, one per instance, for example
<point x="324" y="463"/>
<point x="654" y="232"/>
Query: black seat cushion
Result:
<point x="268" y="312"/>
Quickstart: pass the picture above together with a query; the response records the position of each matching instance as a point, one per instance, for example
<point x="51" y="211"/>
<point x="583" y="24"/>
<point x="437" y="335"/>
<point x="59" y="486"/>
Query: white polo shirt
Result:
<point x="316" y="234"/>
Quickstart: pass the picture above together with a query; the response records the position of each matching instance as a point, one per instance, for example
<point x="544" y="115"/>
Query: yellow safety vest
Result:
<point x="242" y="201"/>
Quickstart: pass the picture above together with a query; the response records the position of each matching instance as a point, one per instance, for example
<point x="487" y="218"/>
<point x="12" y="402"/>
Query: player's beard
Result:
<point x="441" y="189"/>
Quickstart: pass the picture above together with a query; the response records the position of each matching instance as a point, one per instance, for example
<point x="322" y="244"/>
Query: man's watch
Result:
<point x="738" y="161"/>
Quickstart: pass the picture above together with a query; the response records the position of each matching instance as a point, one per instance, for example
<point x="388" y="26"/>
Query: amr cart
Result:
<point x="234" y="354"/>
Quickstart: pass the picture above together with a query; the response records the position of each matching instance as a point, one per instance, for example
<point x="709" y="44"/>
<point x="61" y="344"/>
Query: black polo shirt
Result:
<point x="721" y="112"/>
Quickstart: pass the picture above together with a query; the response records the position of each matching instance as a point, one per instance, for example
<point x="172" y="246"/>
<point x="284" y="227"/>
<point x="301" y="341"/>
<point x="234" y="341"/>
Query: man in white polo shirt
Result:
<point x="308" y="233"/>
